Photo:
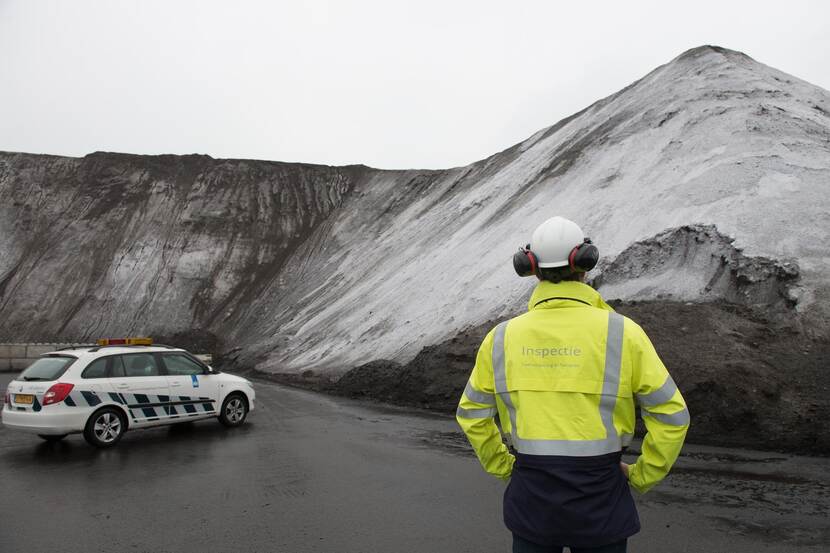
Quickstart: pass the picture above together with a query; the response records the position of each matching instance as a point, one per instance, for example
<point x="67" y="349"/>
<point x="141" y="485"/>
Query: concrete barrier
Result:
<point x="36" y="350"/>
<point x="18" y="350"/>
<point x="16" y="357"/>
<point x="20" y="363"/>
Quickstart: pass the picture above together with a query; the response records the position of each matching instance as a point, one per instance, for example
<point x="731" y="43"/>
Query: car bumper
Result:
<point x="42" y="423"/>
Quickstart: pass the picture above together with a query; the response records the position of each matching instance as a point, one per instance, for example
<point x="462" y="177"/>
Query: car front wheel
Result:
<point x="105" y="427"/>
<point x="234" y="410"/>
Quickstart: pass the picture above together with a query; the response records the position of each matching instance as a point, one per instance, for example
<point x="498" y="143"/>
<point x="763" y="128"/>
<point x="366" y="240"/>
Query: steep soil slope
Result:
<point x="712" y="139"/>
<point x="112" y="244"/>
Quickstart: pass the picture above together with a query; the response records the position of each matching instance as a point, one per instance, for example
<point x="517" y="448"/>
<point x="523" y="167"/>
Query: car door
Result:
<point x="139" y="381"/>
<point x="94" y="385"/>
<point x="193" y="391"/>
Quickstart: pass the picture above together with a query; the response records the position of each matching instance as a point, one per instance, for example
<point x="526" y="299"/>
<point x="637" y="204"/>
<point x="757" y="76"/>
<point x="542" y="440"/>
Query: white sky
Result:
<point x="392" y="84"/>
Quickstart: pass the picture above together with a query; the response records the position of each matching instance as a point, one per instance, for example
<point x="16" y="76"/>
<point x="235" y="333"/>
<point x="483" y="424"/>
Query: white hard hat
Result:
<point x="553" y="241"/>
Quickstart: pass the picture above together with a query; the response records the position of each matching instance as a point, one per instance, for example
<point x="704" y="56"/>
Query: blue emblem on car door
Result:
<point x="195" y="380"/>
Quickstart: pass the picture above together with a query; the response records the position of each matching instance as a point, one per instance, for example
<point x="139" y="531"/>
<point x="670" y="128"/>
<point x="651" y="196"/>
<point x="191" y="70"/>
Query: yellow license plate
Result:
<point x="26" y="399"/>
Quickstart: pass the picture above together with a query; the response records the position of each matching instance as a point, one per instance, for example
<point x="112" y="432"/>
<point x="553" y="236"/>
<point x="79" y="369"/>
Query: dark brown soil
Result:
<point x="746" y="384"/>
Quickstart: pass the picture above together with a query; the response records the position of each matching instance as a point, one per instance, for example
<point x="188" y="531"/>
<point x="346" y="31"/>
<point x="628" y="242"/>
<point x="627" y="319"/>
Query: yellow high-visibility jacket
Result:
<point x="564" y="379"/>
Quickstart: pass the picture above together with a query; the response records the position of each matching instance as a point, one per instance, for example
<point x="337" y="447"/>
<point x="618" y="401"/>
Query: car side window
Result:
<point x="140" y="364"/>
<point x="117" y="369"/>
<point x="96" y="369"/>
<point x="178" y="365"/>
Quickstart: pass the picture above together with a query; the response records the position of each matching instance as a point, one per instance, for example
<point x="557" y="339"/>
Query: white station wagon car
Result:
<point x="103" y="391"/>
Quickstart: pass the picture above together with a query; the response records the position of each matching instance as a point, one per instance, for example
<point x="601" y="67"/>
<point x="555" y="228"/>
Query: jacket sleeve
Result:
<point x="663" y="410"/>
<point x="476" y="412"/>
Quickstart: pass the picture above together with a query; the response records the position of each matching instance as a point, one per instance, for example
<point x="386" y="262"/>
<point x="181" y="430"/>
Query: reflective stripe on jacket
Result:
<point x="564" y="379"/>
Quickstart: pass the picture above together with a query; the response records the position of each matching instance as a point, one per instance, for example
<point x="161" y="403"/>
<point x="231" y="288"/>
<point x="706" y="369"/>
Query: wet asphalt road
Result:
<point x="315" y="473"/>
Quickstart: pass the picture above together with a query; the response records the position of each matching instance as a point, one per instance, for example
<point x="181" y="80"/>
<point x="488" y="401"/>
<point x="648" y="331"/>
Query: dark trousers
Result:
<point x="521" y="545"/>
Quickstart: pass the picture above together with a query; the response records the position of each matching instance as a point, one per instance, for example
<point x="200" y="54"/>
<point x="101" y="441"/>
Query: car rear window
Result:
<point x="48" y="368"/>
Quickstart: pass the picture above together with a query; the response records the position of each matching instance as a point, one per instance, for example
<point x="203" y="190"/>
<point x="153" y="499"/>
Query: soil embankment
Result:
<point x="746" y="384"/>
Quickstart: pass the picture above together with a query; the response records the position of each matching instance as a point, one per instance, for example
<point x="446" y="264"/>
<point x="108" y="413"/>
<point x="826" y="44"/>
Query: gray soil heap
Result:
<point x="704" y="184"/>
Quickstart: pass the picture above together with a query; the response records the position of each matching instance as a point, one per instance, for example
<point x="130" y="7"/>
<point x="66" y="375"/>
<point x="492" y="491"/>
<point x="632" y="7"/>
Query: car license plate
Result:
<point x="26" y="399"/>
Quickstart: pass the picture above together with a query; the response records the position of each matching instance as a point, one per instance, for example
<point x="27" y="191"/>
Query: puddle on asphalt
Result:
<point x="744" y="475"/>
<point x="777" y="532"/>
<point x="450" y="442"/>
<point x="730" y="457"/>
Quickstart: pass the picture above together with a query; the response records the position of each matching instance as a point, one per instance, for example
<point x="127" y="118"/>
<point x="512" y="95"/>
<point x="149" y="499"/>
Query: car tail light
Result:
<point x="57" y="393"/>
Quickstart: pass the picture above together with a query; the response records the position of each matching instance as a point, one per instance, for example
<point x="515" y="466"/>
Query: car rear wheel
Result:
<point x="52" y="437"/>
<point x="234" y="410"/>
<point x="105" y="427"/>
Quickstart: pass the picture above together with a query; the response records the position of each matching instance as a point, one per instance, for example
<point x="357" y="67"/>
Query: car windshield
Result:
<point x="47" y="368"/>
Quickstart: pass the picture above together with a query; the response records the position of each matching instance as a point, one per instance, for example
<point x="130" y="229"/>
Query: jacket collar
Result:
<point x="581" y="292"/>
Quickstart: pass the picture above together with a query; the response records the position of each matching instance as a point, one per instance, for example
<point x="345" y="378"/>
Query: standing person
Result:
<point x="564" y="379"/>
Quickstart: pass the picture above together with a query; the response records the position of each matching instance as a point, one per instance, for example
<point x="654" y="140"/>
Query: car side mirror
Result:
<point x="210" y="370"/>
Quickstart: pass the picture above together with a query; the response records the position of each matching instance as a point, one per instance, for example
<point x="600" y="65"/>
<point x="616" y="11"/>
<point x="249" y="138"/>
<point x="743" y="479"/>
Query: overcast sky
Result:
<point x="392" y="84"/>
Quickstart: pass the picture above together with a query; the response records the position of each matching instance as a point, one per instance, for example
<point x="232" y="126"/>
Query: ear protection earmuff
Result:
<point x="525" y="262"/>
<point x="582" y="259"/>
